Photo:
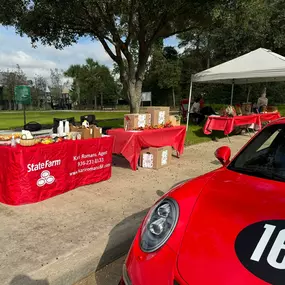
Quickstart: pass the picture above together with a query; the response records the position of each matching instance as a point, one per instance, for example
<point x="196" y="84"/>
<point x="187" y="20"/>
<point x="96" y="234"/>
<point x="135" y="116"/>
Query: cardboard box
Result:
<point x="135" y="121"/>
<point x="155" y="158"/>
<point x="174" y="121"/>
<point x="97" y="132"/>
<point x="246" y="108"/>
<point x="272" y="109"/>
<point x="159" y="115"/>
<point x="87" y="133"/>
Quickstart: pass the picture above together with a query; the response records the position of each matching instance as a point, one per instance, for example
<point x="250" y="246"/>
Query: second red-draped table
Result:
<point x="227" y="124"/>
<point x="130" y="143"/>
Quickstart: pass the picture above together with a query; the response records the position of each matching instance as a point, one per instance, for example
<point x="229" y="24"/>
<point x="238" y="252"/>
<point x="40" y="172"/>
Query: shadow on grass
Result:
<point x="196" y="135"/>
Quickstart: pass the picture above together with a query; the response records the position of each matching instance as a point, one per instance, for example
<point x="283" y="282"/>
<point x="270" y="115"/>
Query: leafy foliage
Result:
<point x="163" y="75"/>
<point x="38" y="92"/>
<point x="91" y="82"/>
<point x="127" y="29"/>
<point x="12" y="78"/>
<point x="131" y="31"/>
<point x="56" y="77"/>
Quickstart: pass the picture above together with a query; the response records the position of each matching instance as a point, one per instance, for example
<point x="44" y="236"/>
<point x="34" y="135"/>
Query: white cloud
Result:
<point x="38" y="61"/>
<point x="17" y="50"/>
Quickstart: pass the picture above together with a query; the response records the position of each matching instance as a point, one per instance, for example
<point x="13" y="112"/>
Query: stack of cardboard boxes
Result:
<point x="152" y="157"/>
<point x="154" y="116"/>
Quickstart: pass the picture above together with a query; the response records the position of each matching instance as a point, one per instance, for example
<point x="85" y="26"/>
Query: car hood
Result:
<point x="225" y="227"/>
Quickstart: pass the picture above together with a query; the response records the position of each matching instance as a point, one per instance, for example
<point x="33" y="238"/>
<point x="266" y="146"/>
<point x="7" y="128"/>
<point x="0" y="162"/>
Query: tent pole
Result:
<point x="232" y="95"/>
<point x="249" y="90"/>
<point x="189" y="103"/>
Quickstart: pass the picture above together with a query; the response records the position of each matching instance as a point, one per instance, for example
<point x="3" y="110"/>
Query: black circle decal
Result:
<point x="260" y="247"/>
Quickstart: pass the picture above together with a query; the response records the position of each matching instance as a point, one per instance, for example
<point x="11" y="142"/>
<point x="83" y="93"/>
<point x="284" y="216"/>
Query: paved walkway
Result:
<point x="66" y="238"/>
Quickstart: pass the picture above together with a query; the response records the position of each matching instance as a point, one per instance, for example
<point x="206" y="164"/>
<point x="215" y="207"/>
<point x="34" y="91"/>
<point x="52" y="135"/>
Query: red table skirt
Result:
<point x="32" y="174"/>
<point x="227" y="124"/>
<point x="130" y="143"/>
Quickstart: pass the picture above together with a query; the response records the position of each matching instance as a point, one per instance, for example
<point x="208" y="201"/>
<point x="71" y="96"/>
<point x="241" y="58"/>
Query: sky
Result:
<point x="38" y="61"/>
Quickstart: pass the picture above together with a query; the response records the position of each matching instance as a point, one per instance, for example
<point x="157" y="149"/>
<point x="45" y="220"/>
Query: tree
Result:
<point x="91" y="72"/>
<point x="164" y="71"/>
<point x="127" y="29"/>
<point x="74" y="72"/>
<point x="94" y="81"/>
<point x="12" y="78"/>
<point x="56" y="85"/>
<point x="237" y="27"/>
<point x="38" y="91"/>
<point x="170" y="71"/>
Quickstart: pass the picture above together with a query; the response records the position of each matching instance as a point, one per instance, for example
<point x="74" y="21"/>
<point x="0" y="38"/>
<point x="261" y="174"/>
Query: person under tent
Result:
<point x="195" y="114"/>
<point x="262" y="101"/>
<point x="199" y="111"/>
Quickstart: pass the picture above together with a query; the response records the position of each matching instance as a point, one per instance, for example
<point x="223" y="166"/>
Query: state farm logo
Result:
<point x="46" y="178"/>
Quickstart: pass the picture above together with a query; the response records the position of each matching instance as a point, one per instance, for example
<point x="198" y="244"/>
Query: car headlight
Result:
<point x="159" y="225"/>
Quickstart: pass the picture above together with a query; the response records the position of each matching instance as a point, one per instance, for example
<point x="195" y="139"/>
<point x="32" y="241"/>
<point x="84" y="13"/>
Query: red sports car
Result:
<point x="225" y="228"/>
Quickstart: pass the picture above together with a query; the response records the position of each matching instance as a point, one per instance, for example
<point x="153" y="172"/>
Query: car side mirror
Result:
<point x="223" y="154"/>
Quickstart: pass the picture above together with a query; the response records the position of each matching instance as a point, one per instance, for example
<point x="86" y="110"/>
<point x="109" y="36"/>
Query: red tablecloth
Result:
<point x="268" y="117"/>
<point x="33" y="174"/>
<point x="227" y="124"/>
<point x="130" y="143"/>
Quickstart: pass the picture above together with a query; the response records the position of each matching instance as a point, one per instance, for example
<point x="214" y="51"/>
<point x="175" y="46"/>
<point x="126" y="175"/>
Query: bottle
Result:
<point x="13" y="142"/>
<point x="85" y="124"/>
<point x="66" y="127"/>
<point x="60" y="129"/>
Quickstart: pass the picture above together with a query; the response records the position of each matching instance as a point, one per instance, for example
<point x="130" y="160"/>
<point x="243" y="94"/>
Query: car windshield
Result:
<point x="264" y="156"/>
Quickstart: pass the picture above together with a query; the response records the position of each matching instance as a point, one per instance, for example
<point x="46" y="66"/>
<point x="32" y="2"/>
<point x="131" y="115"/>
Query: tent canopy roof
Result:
<point x="260" y="65"/>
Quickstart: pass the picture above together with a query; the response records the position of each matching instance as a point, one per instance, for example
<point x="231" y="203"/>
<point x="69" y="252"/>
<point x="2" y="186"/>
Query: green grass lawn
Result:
<point x="11" y="120"/>
<point x="196" y="135"/>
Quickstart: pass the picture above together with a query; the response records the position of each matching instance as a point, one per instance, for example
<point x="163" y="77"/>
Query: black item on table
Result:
<point x="33" y="127"/>
<point x="91" y="119"/>
<point x="57" y="120"/>
<point x="105" y="129"/>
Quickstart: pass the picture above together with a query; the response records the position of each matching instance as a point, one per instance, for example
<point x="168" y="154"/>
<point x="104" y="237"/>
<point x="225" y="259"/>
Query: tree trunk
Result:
<point x="95" y="102"/>
<point x="173" y="96"/>
<point x="101" y="100"/>
<point x="208" y="62"/>
<point x="78" y="93"/>
<point x="135" y="94"/>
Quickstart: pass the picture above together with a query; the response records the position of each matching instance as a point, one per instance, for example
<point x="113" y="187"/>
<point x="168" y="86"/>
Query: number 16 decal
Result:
<point x="274" y="253"/>
<point x="260" y="247"/>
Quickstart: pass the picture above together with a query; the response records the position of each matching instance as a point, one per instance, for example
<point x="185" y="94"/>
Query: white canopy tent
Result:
<point x="260" y="65"/>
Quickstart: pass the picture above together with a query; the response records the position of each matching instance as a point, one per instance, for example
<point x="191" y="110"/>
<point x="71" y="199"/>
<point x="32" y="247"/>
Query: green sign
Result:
<point x="23" y="95"/>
